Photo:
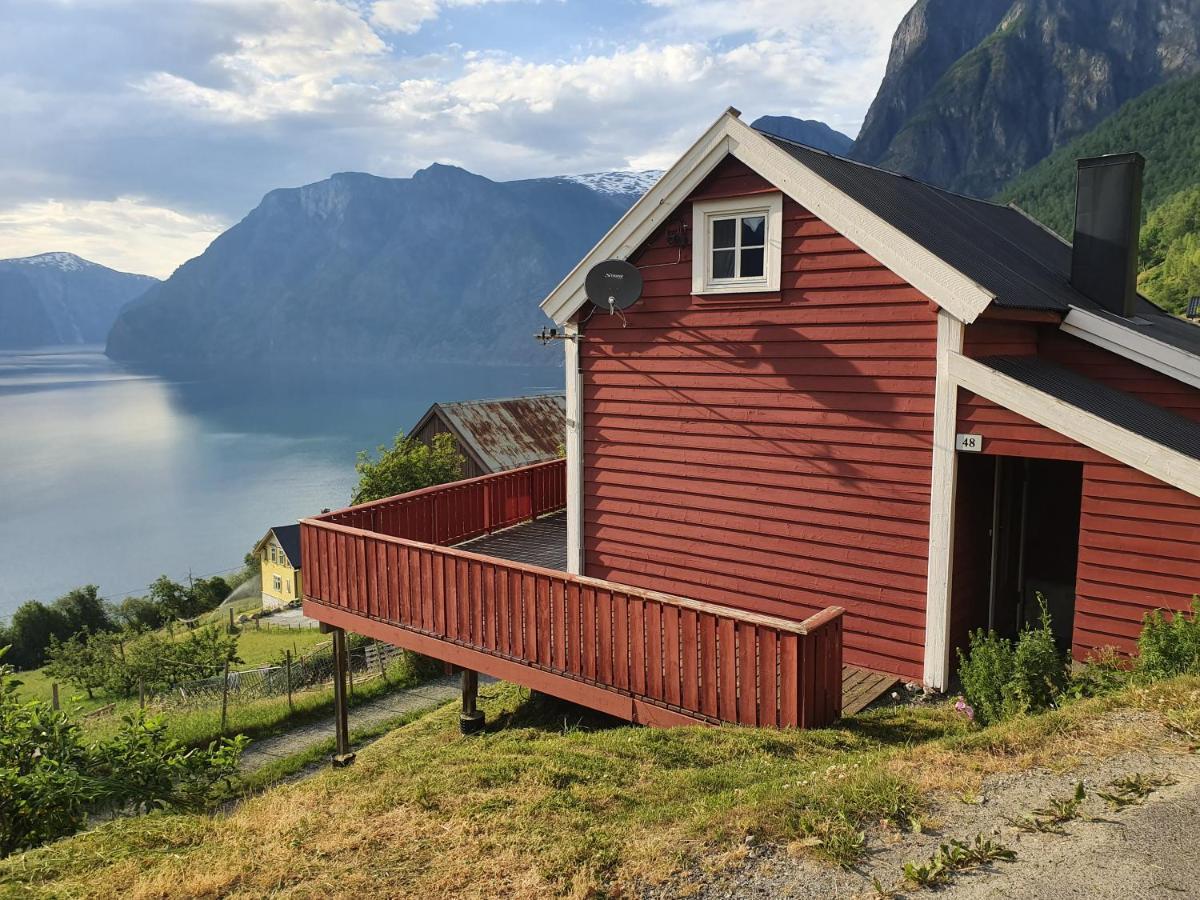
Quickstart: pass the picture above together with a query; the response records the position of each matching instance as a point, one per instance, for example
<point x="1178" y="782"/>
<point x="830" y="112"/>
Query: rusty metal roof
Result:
<point x="505" y="434"/>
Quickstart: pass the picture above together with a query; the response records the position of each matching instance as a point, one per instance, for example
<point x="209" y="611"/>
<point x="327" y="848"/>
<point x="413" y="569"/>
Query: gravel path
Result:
<point x="427" y="696"/>
<point x="1145" y="851"/>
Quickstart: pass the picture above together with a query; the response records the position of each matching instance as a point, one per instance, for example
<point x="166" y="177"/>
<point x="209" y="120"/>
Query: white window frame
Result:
<point x="277" y="584"/>
<point x="705" y="211"/>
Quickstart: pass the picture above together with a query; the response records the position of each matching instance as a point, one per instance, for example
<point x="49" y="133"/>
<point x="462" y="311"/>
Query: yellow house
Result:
<point x="279" y="557"/>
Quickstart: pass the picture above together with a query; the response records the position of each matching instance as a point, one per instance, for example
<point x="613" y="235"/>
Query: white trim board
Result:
<point x="945" y="285"/>
<point x="574" y="448"/>
<point x="1141" y="453"/>
<point x="939" y="581"/>
<point x="1133" y="345"/>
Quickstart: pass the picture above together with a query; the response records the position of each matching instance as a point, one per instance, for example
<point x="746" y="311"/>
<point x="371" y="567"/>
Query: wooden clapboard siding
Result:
<point x="1139" y="545"/>
<point x="770" y="451"/>
<point x="1120" y="373"/>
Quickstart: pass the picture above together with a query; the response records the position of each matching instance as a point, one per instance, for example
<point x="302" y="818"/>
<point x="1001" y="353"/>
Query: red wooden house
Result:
<point x="841" y="390"/>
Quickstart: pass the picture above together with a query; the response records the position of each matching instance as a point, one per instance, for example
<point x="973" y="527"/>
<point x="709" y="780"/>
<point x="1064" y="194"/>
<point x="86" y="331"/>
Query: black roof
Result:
<point x="1118" y="408"/>
<point x="1020" y="261"/>
<point x="289" y="539"/>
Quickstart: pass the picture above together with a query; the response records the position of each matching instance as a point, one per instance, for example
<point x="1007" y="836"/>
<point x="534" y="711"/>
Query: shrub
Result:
<point x="51" y="781"/>
<point x="1170" y="645"/>
<point x="1001" y="679"/>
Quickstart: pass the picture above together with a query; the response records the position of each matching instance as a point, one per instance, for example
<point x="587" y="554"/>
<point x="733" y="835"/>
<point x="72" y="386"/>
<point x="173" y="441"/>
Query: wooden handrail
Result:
<point x="804" y="626"/>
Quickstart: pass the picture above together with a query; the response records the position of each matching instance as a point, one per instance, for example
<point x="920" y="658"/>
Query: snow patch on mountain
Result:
<point x="65" y="262"/>
<point x="617" y="182"/>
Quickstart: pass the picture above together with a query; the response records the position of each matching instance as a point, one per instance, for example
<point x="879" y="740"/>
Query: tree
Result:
<point x="33" y="624"/>
<point x="84" y="610"/>
<point x="172" y="598"/>
<point x="160" y="662"/>
<point x="139" y="614"/>
<point x="83" y="660"/>
<point x="407" y="465"/>
<point x="209" y="593"/>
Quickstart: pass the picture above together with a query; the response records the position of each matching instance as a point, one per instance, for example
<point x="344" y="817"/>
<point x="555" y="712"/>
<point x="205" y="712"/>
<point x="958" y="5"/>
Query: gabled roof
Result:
<point x="288" y="537"/>
<point x="505" y="434"/>
<point x="964" y="254"/>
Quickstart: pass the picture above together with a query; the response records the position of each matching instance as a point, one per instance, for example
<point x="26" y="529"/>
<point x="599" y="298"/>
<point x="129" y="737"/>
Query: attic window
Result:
<point x="736" y="244"/>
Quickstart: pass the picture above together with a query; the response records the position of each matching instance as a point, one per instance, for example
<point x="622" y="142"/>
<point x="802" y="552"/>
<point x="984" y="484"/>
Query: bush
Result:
<point x="51" y="781"/>
<point x="406" y="466"/>
<point x="1001" y="680"/>
<point x="1170" y="645"/>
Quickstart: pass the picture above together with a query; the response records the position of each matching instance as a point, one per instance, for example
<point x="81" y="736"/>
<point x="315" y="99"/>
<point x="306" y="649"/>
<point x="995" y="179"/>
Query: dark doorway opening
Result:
<point x="1017" y="536"/>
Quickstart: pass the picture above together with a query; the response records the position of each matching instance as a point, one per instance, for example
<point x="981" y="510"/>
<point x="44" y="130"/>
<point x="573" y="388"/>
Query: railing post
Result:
<point x="529" y="494"/>
<point x="487" y="507"/>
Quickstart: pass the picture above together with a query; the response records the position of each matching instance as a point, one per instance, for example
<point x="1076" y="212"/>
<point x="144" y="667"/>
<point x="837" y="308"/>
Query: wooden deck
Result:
<point x="543" y="542"/>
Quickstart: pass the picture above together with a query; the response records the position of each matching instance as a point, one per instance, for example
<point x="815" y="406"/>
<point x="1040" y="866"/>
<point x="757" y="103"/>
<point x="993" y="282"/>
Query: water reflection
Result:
<point x="114" y="477"/>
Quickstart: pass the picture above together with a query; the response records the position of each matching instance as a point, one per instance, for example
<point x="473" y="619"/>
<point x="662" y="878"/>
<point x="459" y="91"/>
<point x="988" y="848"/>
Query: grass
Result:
<point x="553" y="800"/>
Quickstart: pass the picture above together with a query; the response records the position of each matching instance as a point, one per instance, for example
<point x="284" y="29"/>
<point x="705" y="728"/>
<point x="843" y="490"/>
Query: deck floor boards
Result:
<point x="543" y="542"/>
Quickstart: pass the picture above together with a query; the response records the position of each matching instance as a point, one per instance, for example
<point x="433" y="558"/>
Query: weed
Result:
<point x="1130" y="790"/>
<point x="1057" y="811"/>
<point x="952" y="858"/>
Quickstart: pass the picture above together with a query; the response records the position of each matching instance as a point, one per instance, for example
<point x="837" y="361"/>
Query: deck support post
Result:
<point x="470" y="720"/>
<point x="341" y="721"/>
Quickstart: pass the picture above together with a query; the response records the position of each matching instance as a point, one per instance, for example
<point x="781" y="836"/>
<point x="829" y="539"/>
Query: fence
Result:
<point x="310" y="670"/>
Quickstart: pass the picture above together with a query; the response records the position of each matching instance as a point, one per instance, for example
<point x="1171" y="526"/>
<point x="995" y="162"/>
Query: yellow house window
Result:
<point x="282" y="559"/>
<point x="278" y="584"/>
<point x="272" y="553"/>
<point x="289" y="586"/>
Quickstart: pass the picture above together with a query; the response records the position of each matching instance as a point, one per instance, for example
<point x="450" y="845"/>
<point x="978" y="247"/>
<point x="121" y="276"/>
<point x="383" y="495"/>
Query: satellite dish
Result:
<point x="613" y="284"/>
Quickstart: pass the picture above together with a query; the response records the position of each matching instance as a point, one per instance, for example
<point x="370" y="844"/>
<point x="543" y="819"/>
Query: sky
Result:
<point x="135" y="131"/>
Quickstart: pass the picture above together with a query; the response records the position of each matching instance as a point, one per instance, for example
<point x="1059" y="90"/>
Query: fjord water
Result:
<point x="113" y="477"/>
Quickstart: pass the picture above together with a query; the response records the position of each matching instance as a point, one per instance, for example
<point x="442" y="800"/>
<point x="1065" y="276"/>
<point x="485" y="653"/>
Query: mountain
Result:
<point x="59" y="298"/>
<point x="1163" y="124"/>
<point x="976" y="93"/>
<point x="360" y="272"/>
<point x="809" y="132"/>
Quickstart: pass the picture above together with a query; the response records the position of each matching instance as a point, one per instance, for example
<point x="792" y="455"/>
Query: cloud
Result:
<point x="205" y="110"/>
<point x="127" y="233"/>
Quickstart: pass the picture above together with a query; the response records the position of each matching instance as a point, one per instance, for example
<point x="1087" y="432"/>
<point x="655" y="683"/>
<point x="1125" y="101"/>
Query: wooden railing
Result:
<point x="647" y="650"/>
<point x="456" y="512"/>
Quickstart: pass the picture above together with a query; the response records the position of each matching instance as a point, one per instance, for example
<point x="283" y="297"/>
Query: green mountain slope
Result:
<point x="1163" y="124"/>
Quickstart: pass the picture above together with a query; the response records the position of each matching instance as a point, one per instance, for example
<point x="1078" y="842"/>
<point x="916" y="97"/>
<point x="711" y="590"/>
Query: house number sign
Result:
<point x="968" y="443"/>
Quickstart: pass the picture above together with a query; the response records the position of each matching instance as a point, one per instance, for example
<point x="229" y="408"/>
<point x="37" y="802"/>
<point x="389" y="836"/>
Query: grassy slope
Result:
<point x="1163" y="124"/>
<point x="537" y="806"/>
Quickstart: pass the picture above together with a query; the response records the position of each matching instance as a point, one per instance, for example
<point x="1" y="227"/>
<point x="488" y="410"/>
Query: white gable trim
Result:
<point x="1141" y="453"/>
<point x="943" y="284"/>
<point x="1133" y="345"/>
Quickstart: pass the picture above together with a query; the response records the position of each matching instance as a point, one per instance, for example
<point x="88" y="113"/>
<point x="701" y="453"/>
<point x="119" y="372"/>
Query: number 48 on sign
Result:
<point x="968" y="443"/>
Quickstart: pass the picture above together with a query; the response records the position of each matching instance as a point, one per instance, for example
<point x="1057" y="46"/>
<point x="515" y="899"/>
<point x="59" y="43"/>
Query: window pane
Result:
<point x="752" y="263"/>
<point x="754" y="229"/>
<point x="723" y="264"/>
<point x="723" y="232"/>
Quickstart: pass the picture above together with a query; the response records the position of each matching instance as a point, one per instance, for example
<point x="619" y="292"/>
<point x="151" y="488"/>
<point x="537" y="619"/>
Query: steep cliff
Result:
<point x="976" y="93"/>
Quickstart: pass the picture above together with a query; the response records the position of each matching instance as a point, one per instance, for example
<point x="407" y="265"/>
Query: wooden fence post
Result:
<point x="231" y="620"/>
<point x="288" y="670"/>
<point x="54" y="695"/>
<point x="224" y="697"/>
<point x="379" y="653"/>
